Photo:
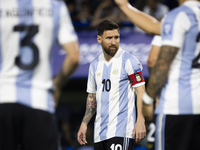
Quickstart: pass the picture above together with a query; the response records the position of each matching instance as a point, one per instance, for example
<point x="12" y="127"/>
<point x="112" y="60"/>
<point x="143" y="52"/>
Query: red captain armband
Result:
<point x="136" y="78"/>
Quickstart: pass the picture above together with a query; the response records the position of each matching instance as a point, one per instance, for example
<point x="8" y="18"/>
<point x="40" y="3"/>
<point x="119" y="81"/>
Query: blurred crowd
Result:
<point x="87" y="14"/>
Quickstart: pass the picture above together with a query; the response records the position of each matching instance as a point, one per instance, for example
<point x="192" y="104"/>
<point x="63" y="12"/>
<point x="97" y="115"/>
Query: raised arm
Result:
<point x="139" y="130"/>
<point x="90" y="111"/>
<point x="139" y="18"/>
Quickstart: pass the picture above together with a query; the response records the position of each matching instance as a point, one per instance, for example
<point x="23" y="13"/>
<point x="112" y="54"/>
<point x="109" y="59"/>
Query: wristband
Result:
<point x="147" y="99"/>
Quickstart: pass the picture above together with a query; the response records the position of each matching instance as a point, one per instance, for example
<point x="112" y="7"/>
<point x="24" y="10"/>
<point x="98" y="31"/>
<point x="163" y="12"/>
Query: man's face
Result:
<point x="109" y="41"/>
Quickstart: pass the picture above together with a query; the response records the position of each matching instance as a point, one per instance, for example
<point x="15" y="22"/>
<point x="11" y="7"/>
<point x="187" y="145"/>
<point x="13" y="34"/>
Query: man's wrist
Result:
<point x="147" y="99"/>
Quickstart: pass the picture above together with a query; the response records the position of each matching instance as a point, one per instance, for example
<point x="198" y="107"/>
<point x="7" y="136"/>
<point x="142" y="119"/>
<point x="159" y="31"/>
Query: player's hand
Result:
<point x="139" y="131"/>
<point x="81" y="135"/>
<point x="121" y="2"/>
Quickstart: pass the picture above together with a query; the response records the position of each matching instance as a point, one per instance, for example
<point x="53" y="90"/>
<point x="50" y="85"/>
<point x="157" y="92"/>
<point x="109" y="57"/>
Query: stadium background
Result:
<point x="71" y="107"/>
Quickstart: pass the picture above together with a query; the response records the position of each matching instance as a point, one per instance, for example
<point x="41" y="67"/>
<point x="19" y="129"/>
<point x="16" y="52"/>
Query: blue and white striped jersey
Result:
<point x="29" y="30"/>
<point x="181" y="93"/>
<point x="114" y="83"/>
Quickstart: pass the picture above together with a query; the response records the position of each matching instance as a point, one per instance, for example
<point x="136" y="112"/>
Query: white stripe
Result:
<point x="160" y="132"/>
<point x="39" y="98"/>
<point x="98" y="96"/>
<point x="125" y="145"/>
<point x="8" y="53"/>
<point x="42" y="73"/>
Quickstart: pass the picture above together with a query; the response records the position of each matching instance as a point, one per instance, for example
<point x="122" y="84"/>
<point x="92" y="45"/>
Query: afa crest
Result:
<point x="115" y="71"/>
<point x="98" y="74"/>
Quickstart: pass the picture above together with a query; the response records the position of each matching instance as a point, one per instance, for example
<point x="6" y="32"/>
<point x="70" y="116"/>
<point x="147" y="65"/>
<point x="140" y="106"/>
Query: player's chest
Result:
<point x="110" y="74"/>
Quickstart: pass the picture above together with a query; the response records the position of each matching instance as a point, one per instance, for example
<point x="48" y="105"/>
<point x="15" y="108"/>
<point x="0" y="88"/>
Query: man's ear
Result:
<point x="99" y="39"/>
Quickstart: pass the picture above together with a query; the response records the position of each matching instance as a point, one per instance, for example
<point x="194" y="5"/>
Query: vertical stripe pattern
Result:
<point x="115" y="115"/>
<point x="180" y="94"/>
<point x="160" y="132"/>
<point x="28" y="26"/>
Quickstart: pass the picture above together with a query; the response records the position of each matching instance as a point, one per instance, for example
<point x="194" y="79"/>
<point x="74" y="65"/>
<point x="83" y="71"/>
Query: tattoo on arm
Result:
<point x="150" y="70"/>
<point x="160" y="71"/>
<point x="90" y="108"/>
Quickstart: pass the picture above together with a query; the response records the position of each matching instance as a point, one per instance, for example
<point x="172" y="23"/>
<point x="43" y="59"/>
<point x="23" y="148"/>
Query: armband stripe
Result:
<point x="136" y="78"/>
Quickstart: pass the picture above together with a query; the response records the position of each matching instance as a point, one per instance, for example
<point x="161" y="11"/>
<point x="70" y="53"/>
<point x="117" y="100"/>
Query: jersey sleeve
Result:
<point x="91" y="88"/>
<point x="174" y="27"/>
<point x="157" y="41"/>
<point x="66" y="33"/>
<point x="134" y="70"/>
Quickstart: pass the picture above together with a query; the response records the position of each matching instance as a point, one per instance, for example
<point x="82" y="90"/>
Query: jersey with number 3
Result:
<point x="29" y="30"/>
<point x="181" y="29"/>
<point x="114" y="83"/>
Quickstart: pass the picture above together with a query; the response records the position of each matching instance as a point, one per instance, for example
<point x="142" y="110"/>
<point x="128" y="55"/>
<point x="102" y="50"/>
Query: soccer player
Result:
<point x="176" y="74"/>
<point x="113" y="79"/>
<point x="148" y="110"/>
<point x="29" y="29"/>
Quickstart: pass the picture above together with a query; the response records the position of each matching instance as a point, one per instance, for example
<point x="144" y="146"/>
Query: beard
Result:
<point x="111" y="50"/>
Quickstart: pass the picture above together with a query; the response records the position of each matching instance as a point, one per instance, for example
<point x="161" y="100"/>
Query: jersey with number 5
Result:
<point x="29" y="30"/>
<point x="181" y="29"/>
<point x="114" y="83"/>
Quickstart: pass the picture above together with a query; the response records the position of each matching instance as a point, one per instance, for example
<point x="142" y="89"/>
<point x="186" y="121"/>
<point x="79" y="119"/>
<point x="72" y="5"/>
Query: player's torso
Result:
<point x="180" y="95"/>
<point x="115" y="99"/>
<point x="27" y="36"/>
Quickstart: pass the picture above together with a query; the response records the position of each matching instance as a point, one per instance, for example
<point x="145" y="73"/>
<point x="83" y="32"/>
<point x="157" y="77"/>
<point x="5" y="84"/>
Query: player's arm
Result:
<point x="69" y="65"/>
<point x="90" y="111"/>
<point x="68" y="39"/>
<point x="139" y="129"/>
<point x="139" y="18"/>
<point x="159" y="73"/>
<point x="153" y="56"/>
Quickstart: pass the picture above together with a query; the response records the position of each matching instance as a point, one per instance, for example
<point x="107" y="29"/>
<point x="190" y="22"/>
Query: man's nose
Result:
<point x="113" y="41"/>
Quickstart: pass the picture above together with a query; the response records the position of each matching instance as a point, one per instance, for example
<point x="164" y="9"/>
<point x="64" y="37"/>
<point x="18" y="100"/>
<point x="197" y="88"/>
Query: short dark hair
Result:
<point x="106" y="25"/>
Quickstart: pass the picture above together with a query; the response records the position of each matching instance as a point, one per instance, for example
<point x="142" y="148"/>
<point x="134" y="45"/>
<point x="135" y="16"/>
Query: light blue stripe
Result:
<point x="94" y="68"/>
<point x="23" y="81"/>
<point x="50" y="102"/>
<point x="135" y="64"/>
<point x="123" y="99"/>
<point x="168" y="25"/>
<point x="160" y="107"/>
<point x="105" y="104"/>
<point x="124" y="143"/>
<point x="188" y="54"/>
<point x="163" y="132"/>
<point x="158" y="124"/>
<point x="56" y="19"/>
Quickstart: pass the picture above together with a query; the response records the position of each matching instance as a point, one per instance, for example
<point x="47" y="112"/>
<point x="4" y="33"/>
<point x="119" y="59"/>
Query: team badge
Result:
<point x="138" y="78"/>
<point x="115" y="72"/>
<point x="167" y="29"/>
<point x="99" y="74"/>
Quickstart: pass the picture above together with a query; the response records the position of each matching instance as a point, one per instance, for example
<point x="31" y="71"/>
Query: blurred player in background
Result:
<point x="148" y="110"/>
<point x="29" y="30"/>
<point x="113" y="79"/>
<point x="176" y="75"/>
